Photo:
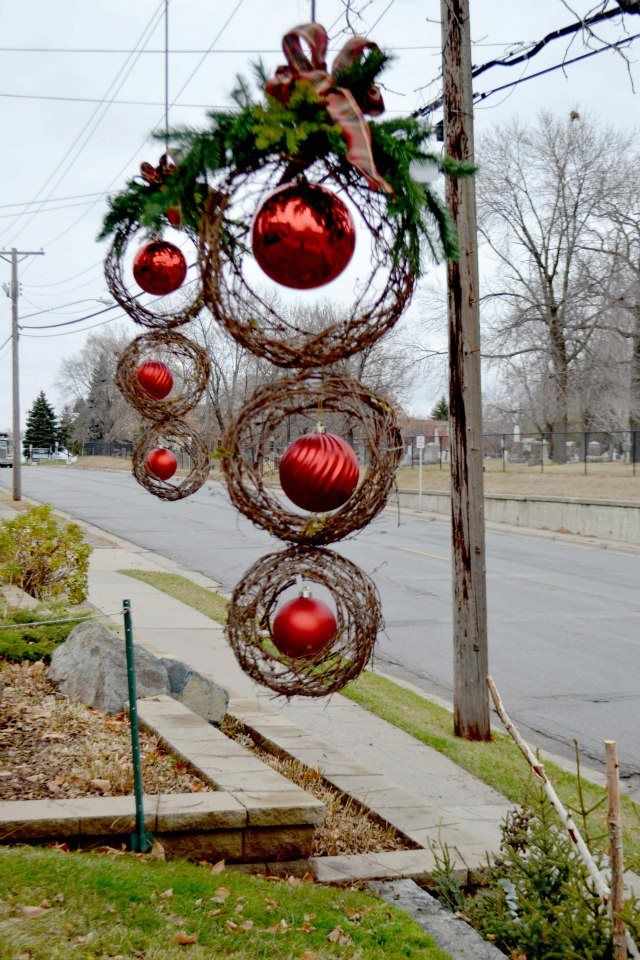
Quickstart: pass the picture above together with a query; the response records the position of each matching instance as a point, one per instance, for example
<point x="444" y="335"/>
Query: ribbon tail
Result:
<point x="343" y="110"/>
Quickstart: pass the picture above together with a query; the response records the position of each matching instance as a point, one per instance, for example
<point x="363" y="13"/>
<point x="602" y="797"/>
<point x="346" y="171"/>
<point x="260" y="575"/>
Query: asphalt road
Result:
<point x="563" y="618"/>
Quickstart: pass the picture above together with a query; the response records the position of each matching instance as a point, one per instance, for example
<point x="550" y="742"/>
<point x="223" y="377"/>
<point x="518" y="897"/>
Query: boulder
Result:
<point x="90" y="667"/>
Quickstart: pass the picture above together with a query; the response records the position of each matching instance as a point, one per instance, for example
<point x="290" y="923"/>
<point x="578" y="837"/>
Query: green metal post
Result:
<point x="140" y="840"/>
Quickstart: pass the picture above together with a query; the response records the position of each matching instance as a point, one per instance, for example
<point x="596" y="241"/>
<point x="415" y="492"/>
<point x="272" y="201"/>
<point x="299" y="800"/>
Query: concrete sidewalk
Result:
<point x="418" y="789"/>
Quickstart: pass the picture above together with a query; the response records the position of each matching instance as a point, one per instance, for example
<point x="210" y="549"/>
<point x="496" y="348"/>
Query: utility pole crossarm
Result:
<point x="14" y="257"/>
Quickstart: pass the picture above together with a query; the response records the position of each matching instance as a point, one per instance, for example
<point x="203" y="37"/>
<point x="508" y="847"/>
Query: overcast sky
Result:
<point x="64" y="149"/>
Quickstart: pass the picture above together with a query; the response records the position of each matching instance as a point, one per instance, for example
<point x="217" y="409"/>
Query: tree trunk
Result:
<point x="634" y="379"/>
<point x="561" y="376"/>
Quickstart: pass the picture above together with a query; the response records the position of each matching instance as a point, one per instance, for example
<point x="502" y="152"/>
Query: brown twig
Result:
<point x="615" y="852"/>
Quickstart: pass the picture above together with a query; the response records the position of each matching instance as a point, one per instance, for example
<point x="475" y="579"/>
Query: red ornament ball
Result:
<point x="319" y="472"/>
<point x="304" y="627"/>
<point x="159" y="267"/>
<point x="155" y="378"/>
<point x="303" y="236"/>
<point x="161" y="463"/>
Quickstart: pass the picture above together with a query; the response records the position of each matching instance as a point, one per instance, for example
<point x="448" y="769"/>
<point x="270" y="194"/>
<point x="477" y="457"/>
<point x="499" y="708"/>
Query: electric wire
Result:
<point x="95" y="118"/>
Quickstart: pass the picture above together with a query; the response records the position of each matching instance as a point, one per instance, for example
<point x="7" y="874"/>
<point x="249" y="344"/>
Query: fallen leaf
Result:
<point x="218" y="867"/>
<point x="185" y="939"/>
<point x="32" y="912"/>
<point x="222" y="893"/>
<point x="247" y="925"/>
<point x="45" y="904"/>
<point x="214" y="913"/>
<point x="270" y="904"/>
<point x="59" y="898"/>
<point x="281" y="927"/>
<point x="239" y="908"/>
<point x="166" y="894"/>
<point x="230" y="925"/>
<point x="88" y="937"/>
<point x="340" y="937"/>
<point x="294" y="881"/>
<point x="306" y="927"/>
<point x="100" y="784"/>
<point x="309" y="955"/>
<point x="157" y="851"/>
<point x="198" y="902"/>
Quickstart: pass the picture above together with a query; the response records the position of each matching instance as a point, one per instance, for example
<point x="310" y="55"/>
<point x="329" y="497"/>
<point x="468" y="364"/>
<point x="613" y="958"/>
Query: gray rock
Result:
<point x="455" y="936"/>
<point x="90" y="667"/>
<point x="196" y="691"/>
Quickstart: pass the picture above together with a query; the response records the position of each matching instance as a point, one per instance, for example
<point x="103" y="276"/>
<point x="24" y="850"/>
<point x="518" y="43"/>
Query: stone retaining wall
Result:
<point x="602" y="519"/>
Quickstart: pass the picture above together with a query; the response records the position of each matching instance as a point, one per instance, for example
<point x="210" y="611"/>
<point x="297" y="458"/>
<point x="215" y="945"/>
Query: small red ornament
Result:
<point x="159" y="267"/>
<point x="155" y="378"/>
<point x="304" y="627"/>
<point x="303" y="236"/>
<point x="319" y="472"/>
<point x="174" y="216"/>
<point x="161" y="463"/>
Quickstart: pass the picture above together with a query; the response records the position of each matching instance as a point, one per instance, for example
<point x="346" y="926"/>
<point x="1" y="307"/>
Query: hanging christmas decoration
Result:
<point x="319" y="472"/>
<point x="303" y="236"/>
<point x="159" y="267"/>
<point x="140" y="375"/>
<point x="252" y="617"/>
<point x="343" y="401"/>
<point x="155" y="379"/>
<point x="279" y="183"/>
<point x="161" y="463"/>
<point x="303" y="627"/>
<point x="151" y="466"/>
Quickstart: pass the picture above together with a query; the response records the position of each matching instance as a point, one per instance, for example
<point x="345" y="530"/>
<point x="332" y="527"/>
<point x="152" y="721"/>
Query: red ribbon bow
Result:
<point x="158" y="174"/>
<point x="341" y="105"/>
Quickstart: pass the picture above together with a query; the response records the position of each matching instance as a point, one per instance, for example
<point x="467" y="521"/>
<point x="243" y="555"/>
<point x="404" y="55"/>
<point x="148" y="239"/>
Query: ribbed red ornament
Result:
<point x="303" y="236"/>
<point x="303" y="627"/>
<point x="319" y="472"/>
<point x="155" y="378"/>
<point x="161" y="463"/>
<point x="159" y="267"/>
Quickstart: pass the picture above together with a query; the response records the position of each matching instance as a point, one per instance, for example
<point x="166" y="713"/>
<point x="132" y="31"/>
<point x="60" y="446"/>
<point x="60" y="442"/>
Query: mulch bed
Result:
<point x="53" y="748"/>
<point x="347" y="828"/>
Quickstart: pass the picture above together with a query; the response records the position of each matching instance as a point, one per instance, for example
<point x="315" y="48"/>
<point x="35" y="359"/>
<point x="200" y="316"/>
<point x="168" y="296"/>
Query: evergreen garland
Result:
<point x="298" y="133"/>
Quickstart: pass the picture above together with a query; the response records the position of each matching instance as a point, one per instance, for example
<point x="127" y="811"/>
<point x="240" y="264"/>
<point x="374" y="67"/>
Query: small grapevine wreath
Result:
<point x="309" y="133"/>
<point x="254" y="600"/>
<point x="247" y="447"/>
<point x="172" y="434"/>
<point x="190" y="360"/>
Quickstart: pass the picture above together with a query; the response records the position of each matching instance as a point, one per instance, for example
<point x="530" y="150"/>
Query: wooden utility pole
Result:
<point x="471" y="662"/>
<point x="14" y="257"/>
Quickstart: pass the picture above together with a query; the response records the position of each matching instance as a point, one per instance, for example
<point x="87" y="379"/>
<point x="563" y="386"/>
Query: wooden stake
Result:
<point x="615" y="852"/>
<point x="602" y="888"/>
<point x="470" y="649"/>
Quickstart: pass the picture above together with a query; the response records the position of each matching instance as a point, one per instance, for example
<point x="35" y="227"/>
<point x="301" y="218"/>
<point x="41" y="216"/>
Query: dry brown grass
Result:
<point x="347" y="829"/>
<point x="605" y="481"/>
<point x="53" y="748"/>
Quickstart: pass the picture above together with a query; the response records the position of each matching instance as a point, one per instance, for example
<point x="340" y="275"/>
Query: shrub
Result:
<point x="22" y="642"/>
<point x="538" y="902"/>
<point x="45" y="556"/>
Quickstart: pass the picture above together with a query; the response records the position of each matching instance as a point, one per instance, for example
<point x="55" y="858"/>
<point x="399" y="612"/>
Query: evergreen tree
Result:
<point x="41" y="425"/>
<point x="101" y="397"/>
<point x="66" y="426"/>
<point x="441" y="410"/>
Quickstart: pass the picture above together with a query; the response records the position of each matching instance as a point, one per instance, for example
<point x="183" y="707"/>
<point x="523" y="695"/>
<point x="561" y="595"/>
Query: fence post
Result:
<point x="634" y="437"/>
<point x="140" y="840"/>
<point x="586" y="444"/>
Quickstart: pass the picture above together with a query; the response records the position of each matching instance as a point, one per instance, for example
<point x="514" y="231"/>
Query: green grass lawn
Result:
<point x="209" y="602"/>
<point x="58" y="905"/>
<point x="499" y="763"/>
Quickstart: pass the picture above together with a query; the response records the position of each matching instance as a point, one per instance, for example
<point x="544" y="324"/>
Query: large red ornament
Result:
<point x="303" y="236"/>
<point x="319" y="472"/>
<point x="159" y="267"/>
<point x="155" y="378"/>
<point x="304" y="627"/>
<point x="161" y="463"/>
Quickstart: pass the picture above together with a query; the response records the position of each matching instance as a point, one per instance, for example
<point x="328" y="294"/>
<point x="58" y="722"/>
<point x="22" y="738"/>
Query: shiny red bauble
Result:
<point x="319" y="472"/>
<point x="304" y="627"/>
<point x="161" y="463"/>
<point x="155" y="378"/>
<point x="303" y="236"/>
<point x="159" y="267"/>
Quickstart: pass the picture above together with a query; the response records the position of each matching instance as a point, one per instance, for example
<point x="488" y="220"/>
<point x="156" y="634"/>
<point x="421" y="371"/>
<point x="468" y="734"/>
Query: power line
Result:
<point x="29" y="203"/>
<point x="516" y="58"/>
<point x="173" y="103"/>
<point x="118" y="103"/>
<point x="89" y="128"/>
<point x="235" y="50"/>
<point x="48" y="336"/>
<point x="478" y="97"/>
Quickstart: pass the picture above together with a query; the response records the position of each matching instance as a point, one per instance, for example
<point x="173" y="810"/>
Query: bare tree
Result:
<point x="539" y="191"/>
